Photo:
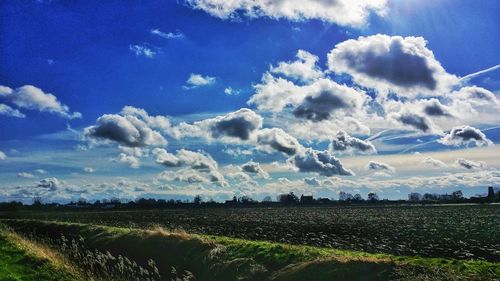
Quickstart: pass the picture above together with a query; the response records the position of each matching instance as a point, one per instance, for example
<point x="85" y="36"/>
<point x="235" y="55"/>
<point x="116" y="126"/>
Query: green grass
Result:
<point x="18" y="264"/>
<point x="222" y="258"/>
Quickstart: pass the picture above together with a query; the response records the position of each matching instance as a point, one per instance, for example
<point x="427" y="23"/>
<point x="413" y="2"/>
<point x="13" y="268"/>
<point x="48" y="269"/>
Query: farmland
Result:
<point x="451" y="231"/>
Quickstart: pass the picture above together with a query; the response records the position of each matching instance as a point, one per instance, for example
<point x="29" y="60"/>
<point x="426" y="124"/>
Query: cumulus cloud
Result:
<point x="230" y="91"/>
<point x="434" y="163"/>
<point x="470" y="164"/>
<point x="2" y="155"/>
<point x="130" y="160"/>
<point x="434" y="108"/>
<point x="476" y="96"/>
<point x="312" y="181"/>
<point x="275" y="139"/>
<point x="33" y="98"/>
<point x="465" y="135"/>
<point x="315" y="101"/>
<point x="198" y="80"/>
<point x="167" y="35"/>
<point x="25" y="175"/>
<point x="89" y="170"/>
<point x="380" y="167"/>
<point x="414" y="121"/>
<point x="237" y="125"/>
<point x="401" y="64"/>
<point x="254" y="168"/>
<point x="51" y="184"/>
<point x="9" y="111"/>
<point x="132" y="127"/>
<point x="144" y="50"/>
<point x="320" y="162"/>
<point x="303" y="69"/>
<point x="198" y="161"/>
<point x="342" y="12"/>
<point x="343" y="142"/>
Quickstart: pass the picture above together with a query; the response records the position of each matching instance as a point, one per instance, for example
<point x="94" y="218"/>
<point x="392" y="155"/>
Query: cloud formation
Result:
<point x="275" y="139"/>
<point x="33" y="98"/>
<point x="167" y="35"/>
<point x="341" y="12"/>
<point x="198" y="80"/>
<point x="382" y="62"/>
<point x="320" y="162"/>
<point x="238" y="125"/>
<point x="2" y="155"/>
<point x="144" y="50"/>
<point x="132" y="127"/>
<point x="9" y="111"/>
<point x="433" y="163"/>
<point x="303" y="69"/>
<point x="254" y="168"/>
<point x="470" y="164"/>
<point x="380" y="167"/>
<point x="25" y="175"/>
<point x="198" y="161"/>
<point x="343" y="142"/>
<point x="465" y="135"/>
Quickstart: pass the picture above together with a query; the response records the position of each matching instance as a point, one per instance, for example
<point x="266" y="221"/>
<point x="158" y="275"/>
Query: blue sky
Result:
<point x="328" y="89"/>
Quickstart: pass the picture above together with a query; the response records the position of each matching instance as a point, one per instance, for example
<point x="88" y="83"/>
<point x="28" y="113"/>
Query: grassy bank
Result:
<point x="222" y="258"/>
<point x="21" y="260"/>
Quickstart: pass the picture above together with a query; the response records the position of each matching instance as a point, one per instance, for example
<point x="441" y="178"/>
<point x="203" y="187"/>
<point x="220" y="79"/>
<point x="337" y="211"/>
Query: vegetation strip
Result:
<point x="23" y="260"/>
<point x="223" y="258"/>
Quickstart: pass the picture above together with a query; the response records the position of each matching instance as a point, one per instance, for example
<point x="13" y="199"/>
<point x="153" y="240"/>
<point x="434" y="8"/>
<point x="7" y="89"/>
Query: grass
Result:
<point x="27" y="262"/>
<point x="222" y="258"/>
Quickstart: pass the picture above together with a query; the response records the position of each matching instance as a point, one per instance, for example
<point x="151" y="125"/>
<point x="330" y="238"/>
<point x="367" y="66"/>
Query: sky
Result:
<point x="172" y="99"/>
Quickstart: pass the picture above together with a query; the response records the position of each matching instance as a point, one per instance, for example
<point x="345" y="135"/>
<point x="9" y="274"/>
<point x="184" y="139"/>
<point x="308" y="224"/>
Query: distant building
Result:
<point x="306" y="199"/>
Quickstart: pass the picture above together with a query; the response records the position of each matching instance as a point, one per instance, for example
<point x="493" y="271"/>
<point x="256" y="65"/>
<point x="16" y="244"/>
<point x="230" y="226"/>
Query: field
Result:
<point x="301" y="243"/>
<point x="453" y="231"/>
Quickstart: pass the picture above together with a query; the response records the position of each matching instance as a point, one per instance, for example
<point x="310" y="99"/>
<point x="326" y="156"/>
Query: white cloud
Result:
<point x="133" y="127"/>
<point x="9" y="111"/>
<point x="343" y="142"/>
<point x="465" y="135"/>
<point x="275" y="139"/>
<point x="320" y="162"/>
<point x="469" y="164"/>
<point x="200" y="162"/>
<point x="255" y="169"/>
<point x="198" y="80"/>
<point x="433" y="163"/>
<point x="25" y="175"/>
<point x="41" y="171"/>
<point x="238" y="125"/>
<point x="130" y="160"/>
<point x="380" y="167"/>
<point x="230" y="91"/>
<point x="143" y="50"/>
<point x="342" y="12"/>
<point x="89" y="170"/>
<point x="2" y="155"/>
<point x="167" y="35"/>
<point x="401" y="64"/>
<point x="31" y="97"/>
<point x="303" y="69"/>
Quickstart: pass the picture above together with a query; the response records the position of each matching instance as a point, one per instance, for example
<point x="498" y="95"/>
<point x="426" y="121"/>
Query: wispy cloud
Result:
<point x="167" y="35"/>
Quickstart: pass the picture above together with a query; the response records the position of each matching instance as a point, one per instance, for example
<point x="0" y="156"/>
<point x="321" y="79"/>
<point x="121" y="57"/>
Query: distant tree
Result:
<point x="289" y="198"/>
<point x="373" y="197"/>
<point x="267" y="199"/>
<point x="246" y="199"/>
<point x="414" y="196"/>
<point x="37" y="201"/>
<point x="357" y="197"/>
<point x="197" y="200"/>
<point x="343" y="196"/>
<point x="457" y="195"/>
